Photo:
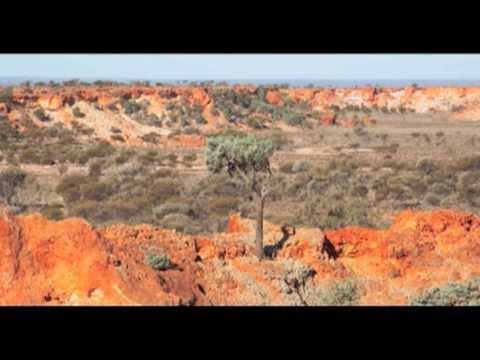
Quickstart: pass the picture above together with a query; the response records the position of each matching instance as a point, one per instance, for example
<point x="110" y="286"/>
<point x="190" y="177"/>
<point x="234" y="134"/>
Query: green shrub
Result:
<point x="95" y="168"/>
<point x="341" y="293"/>
<point x="69" y="187"/>
<point x="6" y="94"/>
<point x="129" y="169"/>
<point x="301" y="166"/>
<point x="426" y="165"/>
<point x="53" y="212"/>
<point x="294" y="119"/>
<point x="131" y="107"/>
<point x="40" y="114"/>
<point x="452" y="294"/>
<point x="152" y="120"/>
<point x="158" y="262"/>
<point x="200" y="120"/>
<point x="342" y="165"/>
<point x="189" y="130"/>
<point x="78" y="113"/>
<point x="98" y="191"/>
<point x="117" y="137"/>
<point x="172" y="157"/>
<point x="152" y="137"/>
<point x="150" y="157"/>
<point x="100" y="150"/>
<point x="10" y="180"/>
<point x="255" y="123"/>
<point x="190" y="157"/>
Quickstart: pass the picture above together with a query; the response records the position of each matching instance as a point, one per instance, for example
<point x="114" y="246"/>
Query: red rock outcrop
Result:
<point x="328" y="119"/>
<point x="460" y="103"/>
<point x="52" y="102"/>
<point x="68" y="262"/>
<point x="274" y="98"/>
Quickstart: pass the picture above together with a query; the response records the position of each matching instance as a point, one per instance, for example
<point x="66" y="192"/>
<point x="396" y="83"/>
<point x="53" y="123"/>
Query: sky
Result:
<point x="242" y="66"/>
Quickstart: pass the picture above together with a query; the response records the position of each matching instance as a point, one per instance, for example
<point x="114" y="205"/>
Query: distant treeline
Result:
<point x="146" y="83"/>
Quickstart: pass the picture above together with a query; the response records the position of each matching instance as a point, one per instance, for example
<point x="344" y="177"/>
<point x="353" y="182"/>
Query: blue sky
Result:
<point x="272" y="66"/>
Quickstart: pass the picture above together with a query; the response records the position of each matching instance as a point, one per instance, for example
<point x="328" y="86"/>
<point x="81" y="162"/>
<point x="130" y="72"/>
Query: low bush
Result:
<point x="69" y="187"/>
<point x="158" y="262"/>
<point x="426" y="165"/>
<point x="190" y="157"/>
<point x="131" y="107"/>
<point x="189" y="130"/>
<point x="301" y="166"/>
<point x="10" y="180"/>
<point x="340" y="293"/>
<point x="452" y="294"/>
<point x="172" y="208"/>
<point x="129" y="169"/>
<point x="152" y="138"/>
<point x="162" y="189"/>
<point x="100" y="150"/>
<point x="53" y="212"/>
<point x="6" y="94"/>
<point x="172" y="157"/>
<point x="117" y="137"/>
<point x="470" y="163"/>
<point x="77" y="113"/>
<point x="41" y="115"/>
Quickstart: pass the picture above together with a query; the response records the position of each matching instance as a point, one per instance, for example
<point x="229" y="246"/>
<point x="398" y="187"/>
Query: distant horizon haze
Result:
<point x="291" y="68"/>
<point x="13" y="80"/>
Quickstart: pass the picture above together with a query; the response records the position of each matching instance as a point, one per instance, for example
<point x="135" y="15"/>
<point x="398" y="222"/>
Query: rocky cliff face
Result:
<point x="421" y="100"/>
<point x="163" y="111"/>
<point x="69" y="262"/>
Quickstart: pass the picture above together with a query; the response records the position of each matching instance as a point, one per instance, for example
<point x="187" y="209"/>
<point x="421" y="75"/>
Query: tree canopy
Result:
<point x="245" y="153"/>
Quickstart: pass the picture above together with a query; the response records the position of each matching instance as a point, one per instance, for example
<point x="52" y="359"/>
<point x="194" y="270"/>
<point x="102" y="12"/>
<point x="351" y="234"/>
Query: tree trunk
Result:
<point x="259" y="230"/>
